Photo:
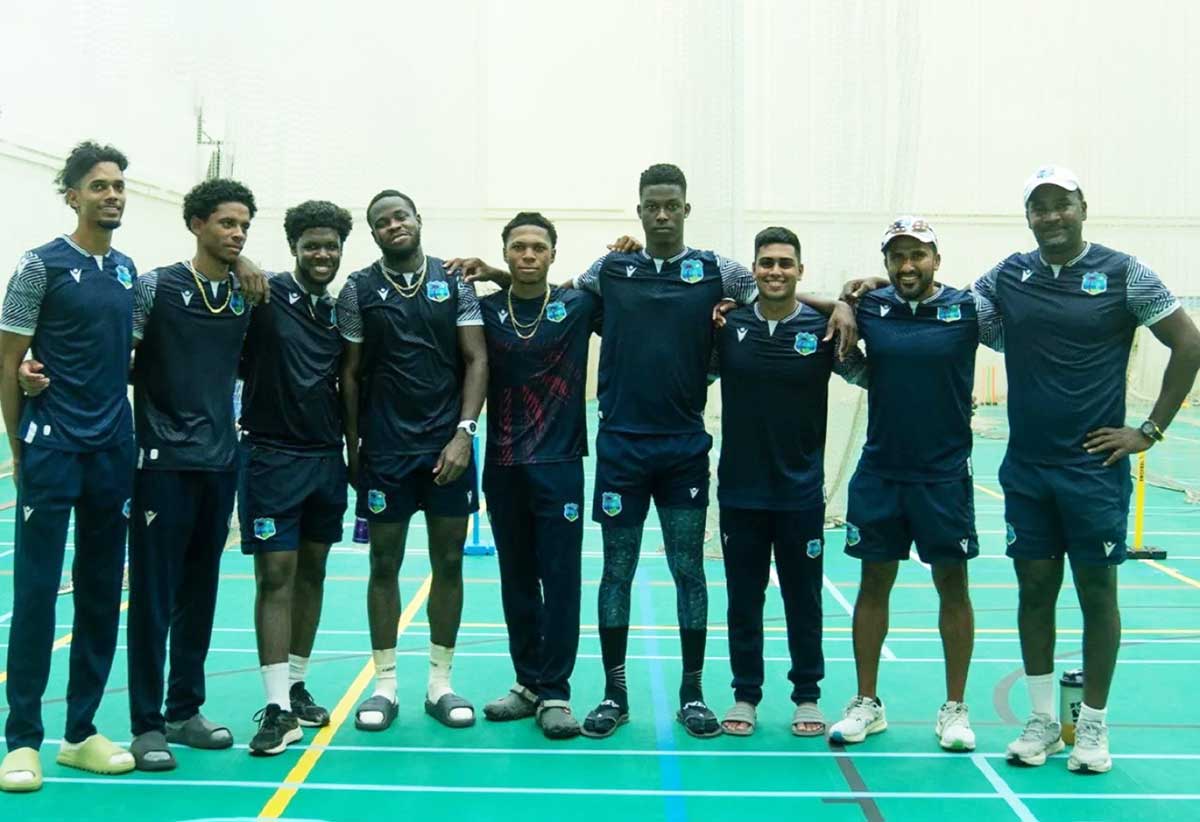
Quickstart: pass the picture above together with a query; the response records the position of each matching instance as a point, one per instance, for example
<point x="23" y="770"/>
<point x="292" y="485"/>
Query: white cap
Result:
<point x="1054" y="176"/>
<point x="908" y="226"/>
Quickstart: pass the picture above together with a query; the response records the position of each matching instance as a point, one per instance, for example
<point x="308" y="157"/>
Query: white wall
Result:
<point x="829" y="117"/>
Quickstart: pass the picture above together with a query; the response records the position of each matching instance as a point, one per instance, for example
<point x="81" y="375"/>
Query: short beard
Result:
<point x="109" y="225"/>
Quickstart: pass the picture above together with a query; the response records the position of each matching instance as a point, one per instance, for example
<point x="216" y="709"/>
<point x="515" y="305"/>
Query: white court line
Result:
<point x="1014" y="803"/>
<point x="539" y="790"/>
<point x="4" y="619"/>
<point x="915" y="557"/>
<point x="7" y="553"/>
<point x="849" y="609"/>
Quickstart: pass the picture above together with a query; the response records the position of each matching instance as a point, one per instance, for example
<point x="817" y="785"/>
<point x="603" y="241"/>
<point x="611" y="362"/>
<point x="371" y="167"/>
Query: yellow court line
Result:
<point x="1171" y="572"/>
<point x="278" y="803"/>
<point x="62" y="642"/>
<point x="988" y="491"/>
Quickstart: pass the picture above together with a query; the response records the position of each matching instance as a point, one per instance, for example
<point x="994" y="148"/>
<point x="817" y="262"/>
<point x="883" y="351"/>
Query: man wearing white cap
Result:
<point x="913" y="482"/>
<point x="1070" y="309"/>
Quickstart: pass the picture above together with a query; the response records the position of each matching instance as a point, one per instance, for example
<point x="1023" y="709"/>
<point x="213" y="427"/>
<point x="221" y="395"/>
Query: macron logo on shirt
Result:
<point x="76" y="273"/>
<point x="187" y="297"/>
<point x="629" y="269"/>
<point x="293" y="297"/>
<point x="884" y="309"/>
<point x="503" y="315"/>
<point x="741" y="334"/>
<point x="1026" y="274"/>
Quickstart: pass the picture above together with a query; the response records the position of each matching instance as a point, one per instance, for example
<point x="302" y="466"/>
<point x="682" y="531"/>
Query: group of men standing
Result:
<point x="398" y="370"/>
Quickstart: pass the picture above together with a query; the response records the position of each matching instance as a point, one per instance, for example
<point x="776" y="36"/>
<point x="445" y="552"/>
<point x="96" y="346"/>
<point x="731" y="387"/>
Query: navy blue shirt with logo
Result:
<point x="774" y="407"/>
<point x="410" y="396"/>
<point x="291" y="362"/>
<point x="191" y="331"/>
<point x="1068" y="331"/>
<point x="536" y="406"/>
<point x="657" y="336"/>
<point x="78" y="308"/>
<point x="921" y="371"/>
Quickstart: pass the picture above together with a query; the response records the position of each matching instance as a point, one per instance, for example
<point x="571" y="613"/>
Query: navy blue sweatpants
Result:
<point x="50" y="483"/>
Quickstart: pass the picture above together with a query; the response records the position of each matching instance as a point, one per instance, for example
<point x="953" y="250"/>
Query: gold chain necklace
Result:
<point x="204" y="294"/>
<point x="537" y="321"/>
<point x="407" y="292"/>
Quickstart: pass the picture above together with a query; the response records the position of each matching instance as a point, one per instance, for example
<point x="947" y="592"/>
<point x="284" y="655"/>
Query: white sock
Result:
<point x="275" y="683"/>
<point x="1089" y="714"/>
<point x="1041" y="693"/>
<point x="441" y="660"/>
<point x="385" y="673"/>
<point x="385" y="682"/>
<point x="297" y="669"/>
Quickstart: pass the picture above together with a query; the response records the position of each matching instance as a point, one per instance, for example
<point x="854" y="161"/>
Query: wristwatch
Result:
<point x="470" y="426"/>
<point x="1151" y="431"/>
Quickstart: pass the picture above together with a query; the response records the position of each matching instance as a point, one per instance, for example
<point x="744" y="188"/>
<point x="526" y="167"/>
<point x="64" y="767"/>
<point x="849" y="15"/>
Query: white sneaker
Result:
<point x="1090" y="754"/>
<point x="953" y="728"/>
<point x="1041" y="738"/>
<point x="863" y="716"/>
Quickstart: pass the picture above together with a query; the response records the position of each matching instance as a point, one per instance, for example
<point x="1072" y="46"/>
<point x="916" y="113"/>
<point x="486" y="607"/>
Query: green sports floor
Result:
<point x="651" y="770"/>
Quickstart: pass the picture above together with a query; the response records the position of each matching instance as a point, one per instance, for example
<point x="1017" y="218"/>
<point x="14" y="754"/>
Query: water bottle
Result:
<point x="361" y="535"/>
<point x="1070" y="690"/>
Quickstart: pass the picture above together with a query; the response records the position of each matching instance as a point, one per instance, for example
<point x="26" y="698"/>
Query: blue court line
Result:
<point x="669" y="766"/>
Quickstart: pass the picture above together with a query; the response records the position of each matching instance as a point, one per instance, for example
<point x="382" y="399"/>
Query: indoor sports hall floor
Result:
<point x="651" y="770"/>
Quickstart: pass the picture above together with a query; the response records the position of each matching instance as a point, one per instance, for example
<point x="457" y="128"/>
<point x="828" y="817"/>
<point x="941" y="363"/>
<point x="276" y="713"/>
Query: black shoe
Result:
<point x="308" y="713"/>
<point x="277" y="729"/>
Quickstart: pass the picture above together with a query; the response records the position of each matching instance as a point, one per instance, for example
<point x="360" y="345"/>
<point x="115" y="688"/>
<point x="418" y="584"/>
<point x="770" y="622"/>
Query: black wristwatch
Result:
<point x="1151" y="431"/>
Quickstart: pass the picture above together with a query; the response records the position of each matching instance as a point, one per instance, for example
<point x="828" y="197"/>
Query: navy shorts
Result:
<point x="392" y="487"/>
<point x="1079" y="510"/>
<point x="284" y="498"/>
<point x="632" y="469"/>
<point x="885" y="517"/>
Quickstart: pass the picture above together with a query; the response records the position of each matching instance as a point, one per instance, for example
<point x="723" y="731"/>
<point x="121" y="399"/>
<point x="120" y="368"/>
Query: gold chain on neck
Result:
<point x="407" y="292"/>
<point x="537" y="321"/>
<point x="204" y="294"/>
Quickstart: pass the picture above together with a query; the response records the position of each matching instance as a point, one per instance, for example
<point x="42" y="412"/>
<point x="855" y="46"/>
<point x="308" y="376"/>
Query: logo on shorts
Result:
<point x="1010" y="533"/>
<point x="853" y="537"/>
<point x="470" y="497"/>
<point x="150" y="515"/>
<point x="949" y="313"/>
<point x="691" y="271"/>
<point x="376" y="501"/>
<point x="805" y="343"/>
<point x="124" y="277"/>
<point x="187" y="296"/>
<point x="1109" y="547"/>
<point x="125" y="509"/>
<point x="556" y="312"/>
<point x="437" y="290"/>
<point x="28" y="511"/>
<point x="610" y="503"/>
<point x="237" y="304"/>
<point x="693" y="492"/>
<point x="264" y="528"/>
<point x="964" y="543"/>
<point x="1094" y="283"/>
<point x="571" y="511"/>
<point x="814" y="548"/>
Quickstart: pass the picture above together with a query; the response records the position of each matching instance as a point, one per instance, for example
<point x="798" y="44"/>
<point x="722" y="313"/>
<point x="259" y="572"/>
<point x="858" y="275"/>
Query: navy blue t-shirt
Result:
<point x="774" y="408"/>
<point x="1067" y="334"/>
<point x="536" y="409"/>
<point x="657" y="336"/>
<point x="921" y="370"/>
<point x="191" y="331"/>
<point x="410" y="398"/>
<point x="290" y="364"/>
<point x="79" y="311"/>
